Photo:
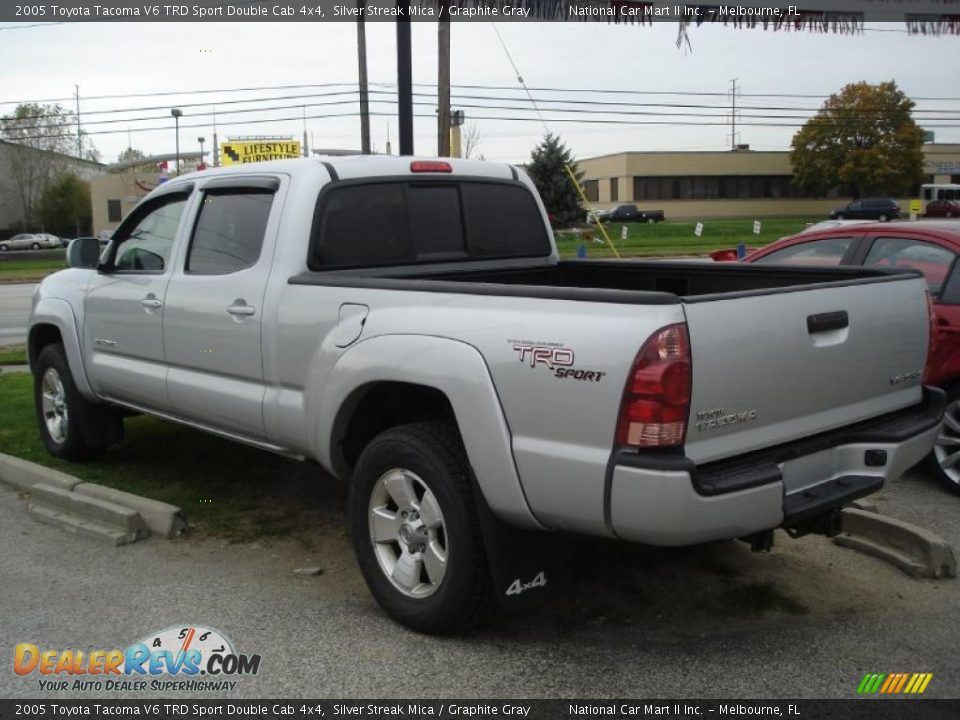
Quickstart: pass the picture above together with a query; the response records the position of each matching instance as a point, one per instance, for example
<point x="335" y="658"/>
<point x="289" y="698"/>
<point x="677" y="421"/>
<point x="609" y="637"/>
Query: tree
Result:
<point x="472" y="139"/>
<point x="863" y="141"/>
<point x="40" y="137"/>
<point x="130" y="154"/>
<point x="547" y="169"/>
<point x="65" y="206"/>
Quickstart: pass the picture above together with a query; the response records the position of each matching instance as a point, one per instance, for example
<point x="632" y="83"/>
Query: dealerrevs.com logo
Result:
<point x="187" y="657"/>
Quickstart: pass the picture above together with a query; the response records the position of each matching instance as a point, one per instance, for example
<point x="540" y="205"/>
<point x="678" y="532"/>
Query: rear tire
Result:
<point x="72" y="427"/>
<point x="415" y="529"/>
<point x="839" y="216"/>
<point x="883" y="218"/>
<point x="944" y="459"/>
<point x="35" y="246"/>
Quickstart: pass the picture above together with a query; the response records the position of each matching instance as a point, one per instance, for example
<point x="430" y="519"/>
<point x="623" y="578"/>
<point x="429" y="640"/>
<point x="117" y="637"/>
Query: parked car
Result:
<point x="30" y="241"/>
<point x="882" y="209"/>
<point x="943" y="208"/>
<point x="930" y="247"/>
<point x="408" y="324"/>
<point x="630" y="213"/>
<point x="825" y="224"/>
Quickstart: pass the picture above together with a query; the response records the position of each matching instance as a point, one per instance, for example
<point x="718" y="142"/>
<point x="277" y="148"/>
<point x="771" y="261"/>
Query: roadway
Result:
<point x="806" y="620"/>
<point x="14" y="312"/>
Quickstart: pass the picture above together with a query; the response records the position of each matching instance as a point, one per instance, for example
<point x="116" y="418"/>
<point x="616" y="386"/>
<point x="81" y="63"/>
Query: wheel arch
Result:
<point x="52" y="321"/>
<point x="389" y="380"/>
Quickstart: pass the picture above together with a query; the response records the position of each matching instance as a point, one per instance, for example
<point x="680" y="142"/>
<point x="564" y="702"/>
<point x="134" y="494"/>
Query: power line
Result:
<point x="579" y="91"/>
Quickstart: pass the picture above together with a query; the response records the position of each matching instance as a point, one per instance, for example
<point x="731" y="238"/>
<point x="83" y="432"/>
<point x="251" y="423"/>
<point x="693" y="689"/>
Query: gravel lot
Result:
<point x="806" y="620"/>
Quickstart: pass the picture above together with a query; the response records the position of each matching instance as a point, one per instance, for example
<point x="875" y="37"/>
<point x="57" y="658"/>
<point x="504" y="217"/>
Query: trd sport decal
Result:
<point x="556" y="358"/>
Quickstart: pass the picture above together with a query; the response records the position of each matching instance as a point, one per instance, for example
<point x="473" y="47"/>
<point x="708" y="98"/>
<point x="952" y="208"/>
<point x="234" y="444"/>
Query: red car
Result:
<point x="943" y="208"/>
<point x="931" y="247"/>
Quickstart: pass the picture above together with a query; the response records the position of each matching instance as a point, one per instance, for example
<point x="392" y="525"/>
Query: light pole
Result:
<point x="201" y="140"/>
<point x="177" y="114"/>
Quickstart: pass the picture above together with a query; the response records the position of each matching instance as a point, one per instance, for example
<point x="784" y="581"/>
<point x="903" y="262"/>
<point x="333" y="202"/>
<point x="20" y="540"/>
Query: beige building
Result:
<point x="737" y="183"/>
<point x="114" y="194"/>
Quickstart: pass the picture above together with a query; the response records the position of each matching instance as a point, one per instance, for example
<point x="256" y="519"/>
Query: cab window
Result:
<point x="146" y="245"/>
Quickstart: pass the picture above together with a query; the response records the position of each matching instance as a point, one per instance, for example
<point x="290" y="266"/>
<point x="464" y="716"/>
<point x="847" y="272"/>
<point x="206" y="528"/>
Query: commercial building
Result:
<point x="38" y="166"/>
<point x="732" y="183"/>
<point x="114" y="194"/>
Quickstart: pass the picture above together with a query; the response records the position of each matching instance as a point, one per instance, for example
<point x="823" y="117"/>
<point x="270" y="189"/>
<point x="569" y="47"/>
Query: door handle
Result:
<point x="827" y="321"/>
<point x="242" y="310"/>
<point x="151" y="302"/>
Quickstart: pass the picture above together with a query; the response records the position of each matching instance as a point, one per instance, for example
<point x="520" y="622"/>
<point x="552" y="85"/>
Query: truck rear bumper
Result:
<point x="664" y="500"/>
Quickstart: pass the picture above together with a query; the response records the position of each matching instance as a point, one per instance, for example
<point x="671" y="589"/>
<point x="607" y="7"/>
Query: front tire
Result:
<point x="415" y="529"/>
<point x="3" y="248"/>
<point x="944" y="459"/>
<point x="72" y="427"/>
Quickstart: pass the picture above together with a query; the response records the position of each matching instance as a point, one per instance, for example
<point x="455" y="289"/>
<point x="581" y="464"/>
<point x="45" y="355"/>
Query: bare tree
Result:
<point x="39" y="138"/>
<point x="472" y="139"/>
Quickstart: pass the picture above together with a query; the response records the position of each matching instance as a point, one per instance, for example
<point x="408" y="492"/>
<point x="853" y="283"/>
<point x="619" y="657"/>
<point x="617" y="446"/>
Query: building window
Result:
<point x="591" y="188"/>
<point x="713" y="187"/>
<point x="614" y="189"/>
<point x="113" y="211"/>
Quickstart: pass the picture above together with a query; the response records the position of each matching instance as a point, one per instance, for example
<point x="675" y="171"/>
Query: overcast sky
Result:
<point x="120" y="58"/>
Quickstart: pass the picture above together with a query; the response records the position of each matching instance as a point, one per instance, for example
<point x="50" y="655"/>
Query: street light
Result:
<point x="201" y="140"/>
<point x="177" y="114"/>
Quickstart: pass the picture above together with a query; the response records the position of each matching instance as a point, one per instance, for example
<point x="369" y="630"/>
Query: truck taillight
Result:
<point x="656" y="399"/>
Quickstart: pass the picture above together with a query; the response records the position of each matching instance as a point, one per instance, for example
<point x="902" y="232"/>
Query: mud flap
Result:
<point x="517" y="560"/>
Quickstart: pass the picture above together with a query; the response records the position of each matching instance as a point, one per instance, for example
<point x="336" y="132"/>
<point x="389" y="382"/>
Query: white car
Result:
<point x="30" y="241"/>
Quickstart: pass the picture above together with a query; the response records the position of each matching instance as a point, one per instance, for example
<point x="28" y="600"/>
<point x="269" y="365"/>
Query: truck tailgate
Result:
<point x="770" y="368"/>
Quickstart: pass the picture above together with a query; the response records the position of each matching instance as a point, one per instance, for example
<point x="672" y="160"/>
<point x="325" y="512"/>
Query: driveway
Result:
<point x="808" y="619"/>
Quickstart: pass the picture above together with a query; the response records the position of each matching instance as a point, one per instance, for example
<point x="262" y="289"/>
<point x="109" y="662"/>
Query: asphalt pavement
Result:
<point x="808" y="619"/>
<point x="14" y="312"/>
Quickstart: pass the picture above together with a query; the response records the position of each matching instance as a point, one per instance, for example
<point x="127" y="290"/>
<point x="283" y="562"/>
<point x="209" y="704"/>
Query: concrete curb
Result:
<point x="23" y="475"/>
<point x="92" y="509"/>
<point x="167" y="521"/>
<point x="914" y="550"/>
<point x="96" y="518"/>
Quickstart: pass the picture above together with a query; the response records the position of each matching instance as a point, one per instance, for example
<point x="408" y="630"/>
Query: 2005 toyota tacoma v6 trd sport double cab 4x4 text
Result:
<point x="408" y="325"/>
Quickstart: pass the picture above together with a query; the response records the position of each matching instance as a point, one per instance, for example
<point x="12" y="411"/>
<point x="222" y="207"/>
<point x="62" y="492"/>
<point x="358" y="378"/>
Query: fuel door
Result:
<point x="350" y="324"/>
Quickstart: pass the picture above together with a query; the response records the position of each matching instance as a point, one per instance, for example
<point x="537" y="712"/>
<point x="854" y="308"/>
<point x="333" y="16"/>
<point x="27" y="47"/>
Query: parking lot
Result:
<point x="806" y="620"/>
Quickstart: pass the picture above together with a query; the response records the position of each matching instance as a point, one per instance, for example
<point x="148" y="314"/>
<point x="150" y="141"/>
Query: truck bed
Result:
<point x="630" y="281"/>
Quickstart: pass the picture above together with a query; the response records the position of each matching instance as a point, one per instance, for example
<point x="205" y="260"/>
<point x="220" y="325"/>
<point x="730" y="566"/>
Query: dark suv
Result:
<point x="881" y="209"/>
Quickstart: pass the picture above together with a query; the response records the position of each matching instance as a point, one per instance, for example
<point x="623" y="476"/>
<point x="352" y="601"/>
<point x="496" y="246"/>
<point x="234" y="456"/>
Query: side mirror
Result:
<point x="83" y="253"/>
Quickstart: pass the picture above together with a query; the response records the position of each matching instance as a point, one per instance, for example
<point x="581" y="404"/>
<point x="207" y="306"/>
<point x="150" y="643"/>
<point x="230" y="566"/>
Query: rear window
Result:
<point x="396" y="223"/>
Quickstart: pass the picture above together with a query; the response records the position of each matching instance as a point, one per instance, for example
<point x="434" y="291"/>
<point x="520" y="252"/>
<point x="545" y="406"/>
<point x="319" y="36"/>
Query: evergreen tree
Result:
<point x="547" y="169"/>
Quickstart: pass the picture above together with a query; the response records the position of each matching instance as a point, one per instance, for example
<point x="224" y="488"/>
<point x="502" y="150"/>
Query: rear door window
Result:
<point x="932" y="260"/>
<point x="827" y="252"/>
<point x="229" y="231"/>
<point x="395" y="223"/>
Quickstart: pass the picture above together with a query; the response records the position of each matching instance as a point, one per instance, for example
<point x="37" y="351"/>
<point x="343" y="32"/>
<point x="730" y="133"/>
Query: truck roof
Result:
<point x="361" y="166"/>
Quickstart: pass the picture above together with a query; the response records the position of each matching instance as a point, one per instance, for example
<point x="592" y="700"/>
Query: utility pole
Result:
<point x="306" y="151"/>
<point x="216" y="142"/>
<point x="443" y="82"/>
<point x="733" y="114"/>
<point x="404" y="81"/>
<point x="362" y="66"/>
<point x="76" y="89"/>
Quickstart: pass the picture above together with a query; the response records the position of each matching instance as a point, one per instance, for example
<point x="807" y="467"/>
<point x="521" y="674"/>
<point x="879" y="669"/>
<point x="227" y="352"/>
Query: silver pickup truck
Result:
<point x="408" y="325"/>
